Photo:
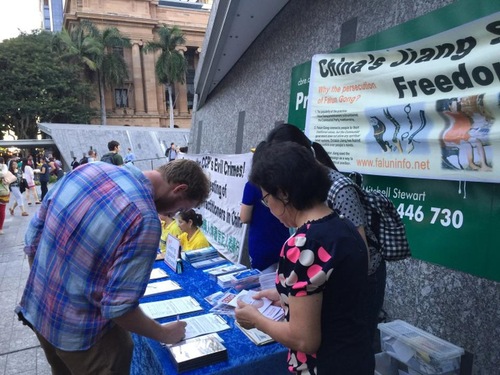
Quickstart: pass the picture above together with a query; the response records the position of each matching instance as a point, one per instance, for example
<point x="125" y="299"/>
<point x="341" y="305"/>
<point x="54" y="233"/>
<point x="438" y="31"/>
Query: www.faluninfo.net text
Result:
<point x="404" y="163"/>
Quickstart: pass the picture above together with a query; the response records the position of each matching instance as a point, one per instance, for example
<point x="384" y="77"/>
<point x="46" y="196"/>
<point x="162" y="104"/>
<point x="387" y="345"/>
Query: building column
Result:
<point x="137" y="77"/>
<point x="161" y="97"/>
<point x="150" y="83"/>
<point x="182" y="103"/>
<point x="197" y="57"/>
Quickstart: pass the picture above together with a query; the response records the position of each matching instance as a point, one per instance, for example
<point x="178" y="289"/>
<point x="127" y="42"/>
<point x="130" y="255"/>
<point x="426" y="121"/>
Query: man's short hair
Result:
<point x="185" y="171"/>
<point x="112" y="145"/>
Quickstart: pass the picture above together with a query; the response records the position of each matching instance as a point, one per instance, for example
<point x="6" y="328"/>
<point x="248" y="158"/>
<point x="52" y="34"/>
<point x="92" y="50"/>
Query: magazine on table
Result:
<point x="197" y="352"/>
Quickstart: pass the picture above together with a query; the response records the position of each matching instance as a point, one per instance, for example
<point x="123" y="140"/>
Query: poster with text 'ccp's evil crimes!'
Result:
<point x="428" y="109"/>
<point x="221" y="212"/>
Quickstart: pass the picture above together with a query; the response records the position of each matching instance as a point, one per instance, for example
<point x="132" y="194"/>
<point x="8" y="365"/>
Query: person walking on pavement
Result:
<point x="91" y="247"/>
<point x="15" y="188"/>
<point x="44" y="177"/>
<point x="29" y="176"/>
<point x="4" y="190"/>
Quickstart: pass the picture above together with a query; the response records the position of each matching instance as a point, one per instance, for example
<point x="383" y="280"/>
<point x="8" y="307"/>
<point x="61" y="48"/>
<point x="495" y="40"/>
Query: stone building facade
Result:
<point x="142" y="100"/>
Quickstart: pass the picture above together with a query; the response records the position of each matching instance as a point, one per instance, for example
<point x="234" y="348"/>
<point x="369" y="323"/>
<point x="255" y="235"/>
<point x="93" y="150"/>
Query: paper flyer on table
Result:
<point x="158" y="273"/>
<point x="171" y="307"/>
<point x="161" y="287"/>
<point x="203" y="324"/>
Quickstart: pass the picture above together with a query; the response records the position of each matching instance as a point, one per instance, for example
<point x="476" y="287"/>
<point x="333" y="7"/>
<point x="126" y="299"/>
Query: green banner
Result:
<point x="450" y="223"/>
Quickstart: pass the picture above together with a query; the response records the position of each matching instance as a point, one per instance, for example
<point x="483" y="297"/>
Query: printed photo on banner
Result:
<point x="221" y="220"/>
<point x="427" y="109"/>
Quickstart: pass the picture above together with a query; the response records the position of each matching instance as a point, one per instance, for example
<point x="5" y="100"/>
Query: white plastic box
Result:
<point x="419" y="350"/>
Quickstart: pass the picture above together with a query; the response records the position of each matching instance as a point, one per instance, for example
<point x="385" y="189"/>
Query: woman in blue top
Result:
<point x="266" y="234"/>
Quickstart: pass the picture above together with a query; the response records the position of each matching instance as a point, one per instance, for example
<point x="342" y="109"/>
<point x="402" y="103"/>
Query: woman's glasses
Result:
<point x="264" y="201"/>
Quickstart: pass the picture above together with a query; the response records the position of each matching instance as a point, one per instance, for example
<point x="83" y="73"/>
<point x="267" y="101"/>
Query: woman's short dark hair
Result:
<point x="290" y="169"/>
<point x="196" y="218"/>
<point x="289" y="132"/>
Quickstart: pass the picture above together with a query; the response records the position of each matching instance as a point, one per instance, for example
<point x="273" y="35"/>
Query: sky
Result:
<point x="18" y="14"/>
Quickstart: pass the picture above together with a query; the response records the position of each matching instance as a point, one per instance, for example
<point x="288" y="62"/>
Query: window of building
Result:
<point x="121" y="98"/>
<point x="190" y="53"/>
<point x="118" y="51"/>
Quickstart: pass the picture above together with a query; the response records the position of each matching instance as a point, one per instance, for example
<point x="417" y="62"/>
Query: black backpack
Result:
<point x="109" y="158"/>
<point x="382" y="218"/>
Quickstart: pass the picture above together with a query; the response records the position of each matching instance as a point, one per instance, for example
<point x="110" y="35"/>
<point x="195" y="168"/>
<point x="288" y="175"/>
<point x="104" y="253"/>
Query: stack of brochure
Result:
<point x="205" y="257"/>
<point x="225" y="304"/>
<point x="197" y="352"/>
<point x="246" y="279"/>
<point x="220" y="302"/>
<point x="266" y="308"/>
<point x="224" y="269"/>
<point x="256" y="336"/>
<point x="267" y="280"/>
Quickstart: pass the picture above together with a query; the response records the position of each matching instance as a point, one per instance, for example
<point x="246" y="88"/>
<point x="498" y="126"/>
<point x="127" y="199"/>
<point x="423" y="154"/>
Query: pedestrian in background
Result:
<point x="129" y="157"/>
<point x="44" y="177"/>
<point x="15" y="188"/>
<point x="74" y="163"/>
<point x="4" y="192"/>
<point x="29" y="177"/>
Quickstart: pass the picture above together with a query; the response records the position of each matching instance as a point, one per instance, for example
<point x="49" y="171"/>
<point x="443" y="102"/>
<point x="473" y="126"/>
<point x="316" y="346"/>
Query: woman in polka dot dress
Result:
<point x="321" y="281"/>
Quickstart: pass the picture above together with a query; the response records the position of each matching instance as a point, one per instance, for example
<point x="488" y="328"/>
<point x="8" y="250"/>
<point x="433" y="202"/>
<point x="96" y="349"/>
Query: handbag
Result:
<point x="4" y="198"/>
<point x="9" y="177"/>
<point x="4" y="190"/>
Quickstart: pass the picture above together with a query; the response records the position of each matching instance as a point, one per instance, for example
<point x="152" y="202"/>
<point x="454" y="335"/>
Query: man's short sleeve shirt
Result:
<point x="94" y="240"/>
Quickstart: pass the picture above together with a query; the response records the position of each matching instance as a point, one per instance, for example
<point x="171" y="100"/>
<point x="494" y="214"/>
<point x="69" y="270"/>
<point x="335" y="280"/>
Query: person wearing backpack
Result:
<point x="84" y="159"/>
<point x="113" y="157"/>
<point x="347" y="203"/>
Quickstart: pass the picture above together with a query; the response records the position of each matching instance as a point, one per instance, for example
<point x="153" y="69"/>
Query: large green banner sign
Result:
<point x="423" y="105"/>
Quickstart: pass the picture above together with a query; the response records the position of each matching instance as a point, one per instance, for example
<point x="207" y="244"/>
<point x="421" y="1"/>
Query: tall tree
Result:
<point x="36" y="86"/>
<point x="171" y="65"/>
<point x="100" y="52"/>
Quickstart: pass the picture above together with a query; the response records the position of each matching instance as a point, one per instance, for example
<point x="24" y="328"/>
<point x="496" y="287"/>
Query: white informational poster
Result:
<point x="221" y="212"/>
<point x="428" y="109"/>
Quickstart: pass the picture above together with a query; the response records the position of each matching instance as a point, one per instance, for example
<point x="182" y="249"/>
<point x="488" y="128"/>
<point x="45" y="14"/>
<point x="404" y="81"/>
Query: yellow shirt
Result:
<point x="197" y="241"/>
<point x="172" y="228"/>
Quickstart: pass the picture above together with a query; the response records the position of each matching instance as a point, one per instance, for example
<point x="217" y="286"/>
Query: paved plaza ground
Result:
<point x="20" y="352"/>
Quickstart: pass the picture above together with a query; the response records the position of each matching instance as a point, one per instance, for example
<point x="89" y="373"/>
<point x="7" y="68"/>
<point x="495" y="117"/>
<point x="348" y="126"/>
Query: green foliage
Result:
<point x="171" y="66"/>
<point x="36" y="85"/>
<point x="97" y="52"/>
